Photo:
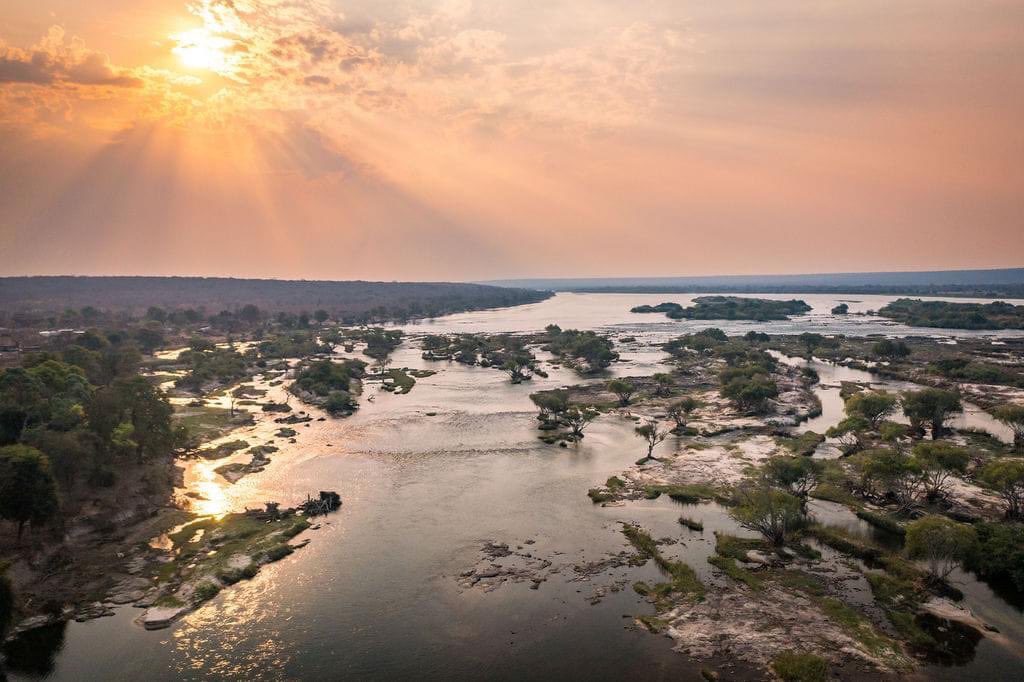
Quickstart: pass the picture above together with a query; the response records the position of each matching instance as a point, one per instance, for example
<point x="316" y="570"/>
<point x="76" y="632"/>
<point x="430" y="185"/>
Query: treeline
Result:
<point x="40" y="298"/>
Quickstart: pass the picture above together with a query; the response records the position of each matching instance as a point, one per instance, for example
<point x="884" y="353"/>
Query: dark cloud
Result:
<point x="39" y="66"/>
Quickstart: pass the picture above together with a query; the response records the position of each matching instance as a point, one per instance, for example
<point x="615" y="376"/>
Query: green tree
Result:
<point x="938" y="461"/>
<point x="681" y="410"/>
<point x="22" y="402"/>
<point x="320" y="316"/>
<point x="1012" y="415"/>
<point x="517" y="365"/>
<point x="810" y="341"/>
<point x="850" y="433"/>
<point x="551" y="403"/>
<point x="795" y="475"/>
<point x="577" y="420"/>
<point x="662" y="384"/>
<point x="873" y="406"/>
<point x="150" y="413"/>
<point x="1006" y="477"/>
<point x="27" y="490"/>
<point x="623" y="389"/>
<point x="652" y="436"/>
<point x="940" y="542"/>
<point x="771" y="512"/>
<point x="891" y="474"/>
<point x="932" y="407"/>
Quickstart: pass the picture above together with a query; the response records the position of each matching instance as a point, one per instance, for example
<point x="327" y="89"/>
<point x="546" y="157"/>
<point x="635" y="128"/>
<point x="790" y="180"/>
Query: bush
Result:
<point x="1000" y="552"/>
<point x="1006" y="477"/>
<point x="793" y="666"/>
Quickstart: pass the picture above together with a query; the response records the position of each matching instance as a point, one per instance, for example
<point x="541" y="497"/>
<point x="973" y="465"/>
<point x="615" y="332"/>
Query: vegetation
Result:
<point x="941" y="543"/>
<point x="1000" y="552"/>
<point x="891" y="350"/>
<point x="652" y="435"/>
<point x="918" y="313"/>
<point x="585" y="351"/>
<point x="939" y="461"/>
<point x="795" y="666"/>
<point x="683" y="579"/>
<point x="873" y="406"/>
<point x="1006" y="478"/>
<point x="28" y="493"/>
<point x="680" y="410"/>
<point x="1013" y="416"/>
<point x="772" y="513"/>
<point x="795" y="475"/>
<point x="329" y="383"/>
<point x="931" y="407"/>
<point x="729" y="308"/>
<point x="246" y="299"/>
<point x="624" y="390"/>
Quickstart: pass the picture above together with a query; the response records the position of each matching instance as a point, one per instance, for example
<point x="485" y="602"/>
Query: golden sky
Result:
<point x="461" y="139"/>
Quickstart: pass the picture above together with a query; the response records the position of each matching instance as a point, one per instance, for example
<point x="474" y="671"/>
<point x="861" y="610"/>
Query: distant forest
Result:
<point x="1000" y="283"/>
<point x="30" y="296"/>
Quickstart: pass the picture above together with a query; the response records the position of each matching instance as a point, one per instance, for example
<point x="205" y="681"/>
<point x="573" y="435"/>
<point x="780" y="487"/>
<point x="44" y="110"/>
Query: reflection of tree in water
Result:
<point x="955" y="643"/>
<point x="32" y="653"/>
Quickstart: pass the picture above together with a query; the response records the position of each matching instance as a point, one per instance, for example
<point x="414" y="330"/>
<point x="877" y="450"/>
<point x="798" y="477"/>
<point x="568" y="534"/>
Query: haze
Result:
<point x="481" y="140"/>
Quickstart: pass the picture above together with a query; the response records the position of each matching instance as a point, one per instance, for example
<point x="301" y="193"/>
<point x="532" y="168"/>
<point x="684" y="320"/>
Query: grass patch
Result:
<point x="597" y="496"/>
<point x="861" y="630"/>
<point x="794" y="666"/>
<point x="845" y="543"/>
<point x="401" y="381"/>
<point x="692" y="524"/>
<point x="737" y="548"/>
<point x="686" y="494"/>
<point x="205" y="591"/>
<point x="206" y="423"/>
<point x="833" y="493"/>
<point x="684" y="580"/>
<point x="883" y="521"/>
<point x="805" y="444"/>
<point x="653" y="623"/>
<point x="728" y="565"/>
<point x="615" y="483"/>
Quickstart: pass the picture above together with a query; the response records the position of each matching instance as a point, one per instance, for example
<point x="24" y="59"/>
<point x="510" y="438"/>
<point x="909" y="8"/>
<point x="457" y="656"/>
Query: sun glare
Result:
<point x="199" y="49"/>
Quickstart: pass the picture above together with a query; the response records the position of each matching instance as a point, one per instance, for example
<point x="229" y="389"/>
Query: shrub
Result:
<point x="1000" y="552"/>
<point x="773" y="513"/>
<point x="1006" y="477"/>
<point x="794" y="666"/>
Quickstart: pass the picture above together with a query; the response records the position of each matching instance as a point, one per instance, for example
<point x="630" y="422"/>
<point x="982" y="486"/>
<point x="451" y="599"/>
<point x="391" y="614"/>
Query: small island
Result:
<point x="729" y="308"/>
<point x="917" y="313"/>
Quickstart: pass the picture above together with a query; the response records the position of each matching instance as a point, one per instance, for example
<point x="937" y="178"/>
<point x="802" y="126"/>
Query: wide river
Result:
<point x="428" y="477"/>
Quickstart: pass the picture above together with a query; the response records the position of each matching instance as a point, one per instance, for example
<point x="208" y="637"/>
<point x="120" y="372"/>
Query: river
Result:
<point x="426" y="478"/>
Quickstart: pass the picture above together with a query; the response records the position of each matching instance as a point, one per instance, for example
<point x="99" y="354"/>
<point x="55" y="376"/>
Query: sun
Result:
<point x="202" y="50"/>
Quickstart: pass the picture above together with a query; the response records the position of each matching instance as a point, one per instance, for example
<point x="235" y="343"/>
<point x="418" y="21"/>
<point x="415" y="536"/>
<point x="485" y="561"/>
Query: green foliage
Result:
<point x="889" y="473"/>
<point x="205" y="591"/>
<point x="940" y="542"/>
<point x="749" y="388"/>
<point x="321" y="377"/>
<point x="891" y="350"/>
<point x="680" y="410"/>
<point x="796" y="475"/>
<point x="939" y="461"/>
<point x="1006" y="477"/>
<point x="221" y="365"/>
<point x="872" y="406"/>
<point x="1000" y="552"/>
<point x="918" y="313"/>
<point x="28" y="493"/>
<point x="551" y="402"/>
<point x="795" y="666"/>
<point x="683" y="579"/>
<point x="804" y="444"/>
<point x="883" y="521"/>
<point x="586" y="351"/>
<point x="773" y="513"/>
<point x="729" y="566"/>
<point x="1012" y="414"/>
<point x="623" y="389"/>
<point x="930" y="406"/>
<point x="652" y="435"/>
<point x="729" y="308"/>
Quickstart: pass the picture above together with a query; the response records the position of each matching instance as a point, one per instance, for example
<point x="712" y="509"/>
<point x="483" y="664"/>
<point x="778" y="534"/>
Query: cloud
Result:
<point x="56" y="62"/>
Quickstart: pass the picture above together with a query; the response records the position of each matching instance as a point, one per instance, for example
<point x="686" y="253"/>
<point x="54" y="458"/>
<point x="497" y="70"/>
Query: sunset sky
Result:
<point x="452" y="139"/>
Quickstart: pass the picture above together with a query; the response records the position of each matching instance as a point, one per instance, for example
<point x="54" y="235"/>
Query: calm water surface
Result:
<point x="375" y="594"/>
